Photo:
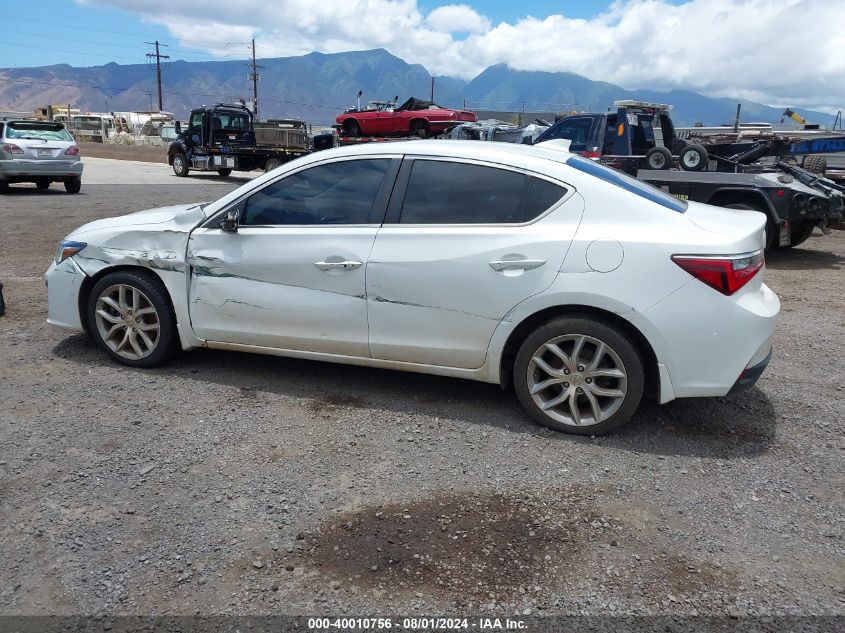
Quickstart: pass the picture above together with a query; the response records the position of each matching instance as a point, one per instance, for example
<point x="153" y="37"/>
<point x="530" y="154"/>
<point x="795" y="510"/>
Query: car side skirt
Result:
<point x="481" y="374"/>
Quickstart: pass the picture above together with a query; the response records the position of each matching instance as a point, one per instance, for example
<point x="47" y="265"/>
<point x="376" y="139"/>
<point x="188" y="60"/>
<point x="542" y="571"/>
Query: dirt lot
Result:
<point x="238" y="484"/>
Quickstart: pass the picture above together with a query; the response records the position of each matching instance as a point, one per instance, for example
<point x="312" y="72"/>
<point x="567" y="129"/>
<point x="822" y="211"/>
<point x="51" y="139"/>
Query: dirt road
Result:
<point x="231" y="483"/>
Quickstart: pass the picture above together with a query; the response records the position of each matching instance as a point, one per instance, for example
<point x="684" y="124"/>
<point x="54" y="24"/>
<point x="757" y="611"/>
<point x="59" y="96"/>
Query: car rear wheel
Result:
<point x="180" y="165"/>
<point x="579" y="375"/>
<point x="4" y="186"/>
<point x="224" y="172"/>
<point x="42" y="184"/>
<point x="73" y="185"/>
<point x="351" y="128"/>
<point x="273" y="163"/>
<point x="130" y="318"/>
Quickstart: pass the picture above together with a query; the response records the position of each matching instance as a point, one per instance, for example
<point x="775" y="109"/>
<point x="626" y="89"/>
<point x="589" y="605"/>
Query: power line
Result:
<point x="158" y="57"/>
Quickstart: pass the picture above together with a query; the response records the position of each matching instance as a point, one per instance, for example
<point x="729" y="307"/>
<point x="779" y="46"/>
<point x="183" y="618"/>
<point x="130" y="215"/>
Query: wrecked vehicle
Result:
<point x="495" y="130"/>
<point x="415" y="117"/>
<point x="497" y="262"/>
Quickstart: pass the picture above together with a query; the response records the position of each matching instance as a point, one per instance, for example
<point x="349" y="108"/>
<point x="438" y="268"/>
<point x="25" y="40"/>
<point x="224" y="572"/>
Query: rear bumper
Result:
<point x="707" y="342"/>
<point x="749" y="377"/>
<point x="20" y="170"/>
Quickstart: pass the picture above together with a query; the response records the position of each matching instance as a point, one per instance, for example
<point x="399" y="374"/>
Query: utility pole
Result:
<point x="158" y="57"/>
<point x="253" y="75"/>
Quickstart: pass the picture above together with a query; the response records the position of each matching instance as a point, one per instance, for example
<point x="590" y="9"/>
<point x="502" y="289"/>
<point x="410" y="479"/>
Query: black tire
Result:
<point x="771" y="229"/>
<point x="815" y="164"/>
<point x="351" y="128"/>
<point x="4" y="186"/>
<point x="658" y="158"/>
<point x="271" y="164"/>
<point x="693" y="157"/>
<point x="73" y="185"/>
<point x="616" y="342"/>
<point x="224" y="172"/>
<point x="180" y="165"/>
<point x="421" y="129"/>
<point x="42" y="184"/>
<point x="800" y="232"/>
<point x="156" y="295"/>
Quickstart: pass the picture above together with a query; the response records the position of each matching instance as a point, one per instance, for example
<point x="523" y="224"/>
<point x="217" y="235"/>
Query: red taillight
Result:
<point x="726" y="274"/>
<point x="73" y="150"/>
<point x="11" y="148"/>
<point x="591" y="153"/>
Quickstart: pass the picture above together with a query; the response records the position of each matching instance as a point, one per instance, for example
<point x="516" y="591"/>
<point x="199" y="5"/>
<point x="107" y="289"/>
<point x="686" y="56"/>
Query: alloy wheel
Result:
<point x="127" y="321"/>
<point x="577" y="380"/>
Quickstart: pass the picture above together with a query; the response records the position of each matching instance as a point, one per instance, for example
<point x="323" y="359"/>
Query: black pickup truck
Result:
<point x="640" y="139"/>
<point x="221" y="138"/>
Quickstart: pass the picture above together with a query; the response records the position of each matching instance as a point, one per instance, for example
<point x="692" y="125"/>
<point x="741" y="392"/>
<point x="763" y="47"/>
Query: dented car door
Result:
<point x="291" y="276"/>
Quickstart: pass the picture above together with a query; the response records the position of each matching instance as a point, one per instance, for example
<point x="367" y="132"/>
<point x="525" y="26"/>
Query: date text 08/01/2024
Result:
<point x="416" y="624"/>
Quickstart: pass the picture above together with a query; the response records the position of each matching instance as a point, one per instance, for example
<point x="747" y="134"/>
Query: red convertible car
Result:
<point x="414" y="117"/>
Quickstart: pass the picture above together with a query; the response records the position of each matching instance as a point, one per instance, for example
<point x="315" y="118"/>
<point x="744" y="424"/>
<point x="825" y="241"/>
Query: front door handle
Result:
<point x="344" y="265"/>
<point x="525" y="264"/>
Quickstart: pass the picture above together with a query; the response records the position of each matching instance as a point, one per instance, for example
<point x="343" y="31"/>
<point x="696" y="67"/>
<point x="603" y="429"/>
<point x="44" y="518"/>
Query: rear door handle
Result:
<point x="345" y="265"/>
<point x="525" y="264"/>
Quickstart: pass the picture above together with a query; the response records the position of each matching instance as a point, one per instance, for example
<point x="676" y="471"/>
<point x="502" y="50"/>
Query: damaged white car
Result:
<point x="503" y="263"/>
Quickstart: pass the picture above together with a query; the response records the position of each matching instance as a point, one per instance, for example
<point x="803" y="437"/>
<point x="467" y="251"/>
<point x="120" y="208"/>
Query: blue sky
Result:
<point x="62" y="31"/>
<point x="722" y="48"/>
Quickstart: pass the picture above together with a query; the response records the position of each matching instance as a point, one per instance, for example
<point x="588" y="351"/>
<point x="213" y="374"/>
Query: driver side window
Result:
<point x="336" y="193"/>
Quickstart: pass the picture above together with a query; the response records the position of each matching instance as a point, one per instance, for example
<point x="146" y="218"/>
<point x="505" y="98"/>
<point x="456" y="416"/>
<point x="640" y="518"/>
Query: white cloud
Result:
<point x="457" y="18"/>
<point x="788" y="52"/>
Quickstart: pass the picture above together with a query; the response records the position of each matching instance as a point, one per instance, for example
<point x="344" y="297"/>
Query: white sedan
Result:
<point x="508" y="264"/>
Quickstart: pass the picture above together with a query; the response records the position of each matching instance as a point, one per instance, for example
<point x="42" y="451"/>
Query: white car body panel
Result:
<point x="426" y="298"/>
<point x="454" y="315"/>
<point x="263" y="286"/>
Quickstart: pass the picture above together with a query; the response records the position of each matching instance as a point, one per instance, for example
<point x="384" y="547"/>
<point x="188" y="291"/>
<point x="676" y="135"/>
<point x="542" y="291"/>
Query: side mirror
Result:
<point x="230" y="223"/>
<point x="178" y="127"/>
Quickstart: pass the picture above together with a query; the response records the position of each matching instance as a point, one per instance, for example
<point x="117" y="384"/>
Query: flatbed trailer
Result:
<point x="793" y="199"/>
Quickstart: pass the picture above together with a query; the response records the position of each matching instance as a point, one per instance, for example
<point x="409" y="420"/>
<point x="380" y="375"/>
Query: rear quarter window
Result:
<point x="444" y="192"/>
<point x="626" y="182"/>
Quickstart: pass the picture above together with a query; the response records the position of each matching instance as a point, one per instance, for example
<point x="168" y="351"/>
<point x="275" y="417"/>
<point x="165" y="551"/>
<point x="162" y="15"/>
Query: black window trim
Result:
<point x="376" y="213"/>
<point x="397" y="198"/>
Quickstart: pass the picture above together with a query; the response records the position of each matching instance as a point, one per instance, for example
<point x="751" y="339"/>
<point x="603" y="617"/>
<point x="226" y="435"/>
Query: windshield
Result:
<point x="39" y="131"/>
<point x="626" y="182"/>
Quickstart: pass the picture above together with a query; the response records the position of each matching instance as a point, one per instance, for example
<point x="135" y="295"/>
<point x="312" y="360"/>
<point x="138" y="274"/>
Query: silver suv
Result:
<point x="41" y="152"/>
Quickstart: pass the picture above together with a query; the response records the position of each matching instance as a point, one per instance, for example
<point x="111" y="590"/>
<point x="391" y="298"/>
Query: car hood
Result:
<point x="179" y="218"/>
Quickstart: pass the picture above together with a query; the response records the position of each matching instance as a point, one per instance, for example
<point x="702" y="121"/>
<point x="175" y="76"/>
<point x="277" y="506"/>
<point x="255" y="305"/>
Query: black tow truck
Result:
<point x="221" y="138"/>
<point x="639" y="138"/>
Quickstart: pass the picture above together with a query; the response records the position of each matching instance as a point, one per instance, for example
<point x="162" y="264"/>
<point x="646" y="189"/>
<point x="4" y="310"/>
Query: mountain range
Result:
<point x="317" y="86"/>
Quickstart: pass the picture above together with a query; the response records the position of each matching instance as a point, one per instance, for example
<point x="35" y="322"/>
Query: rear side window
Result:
<point x="441" y="192"/>
<point x="626" y="182"/>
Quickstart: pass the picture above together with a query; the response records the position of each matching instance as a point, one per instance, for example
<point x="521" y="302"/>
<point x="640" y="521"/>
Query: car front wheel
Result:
<point x="579" y="375"/>
<point x="130" y="318"/>
<point x="180" y="165"/>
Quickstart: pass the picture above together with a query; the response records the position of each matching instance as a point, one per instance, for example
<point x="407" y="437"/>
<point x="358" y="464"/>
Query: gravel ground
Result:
<point x="237" y="484"/>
